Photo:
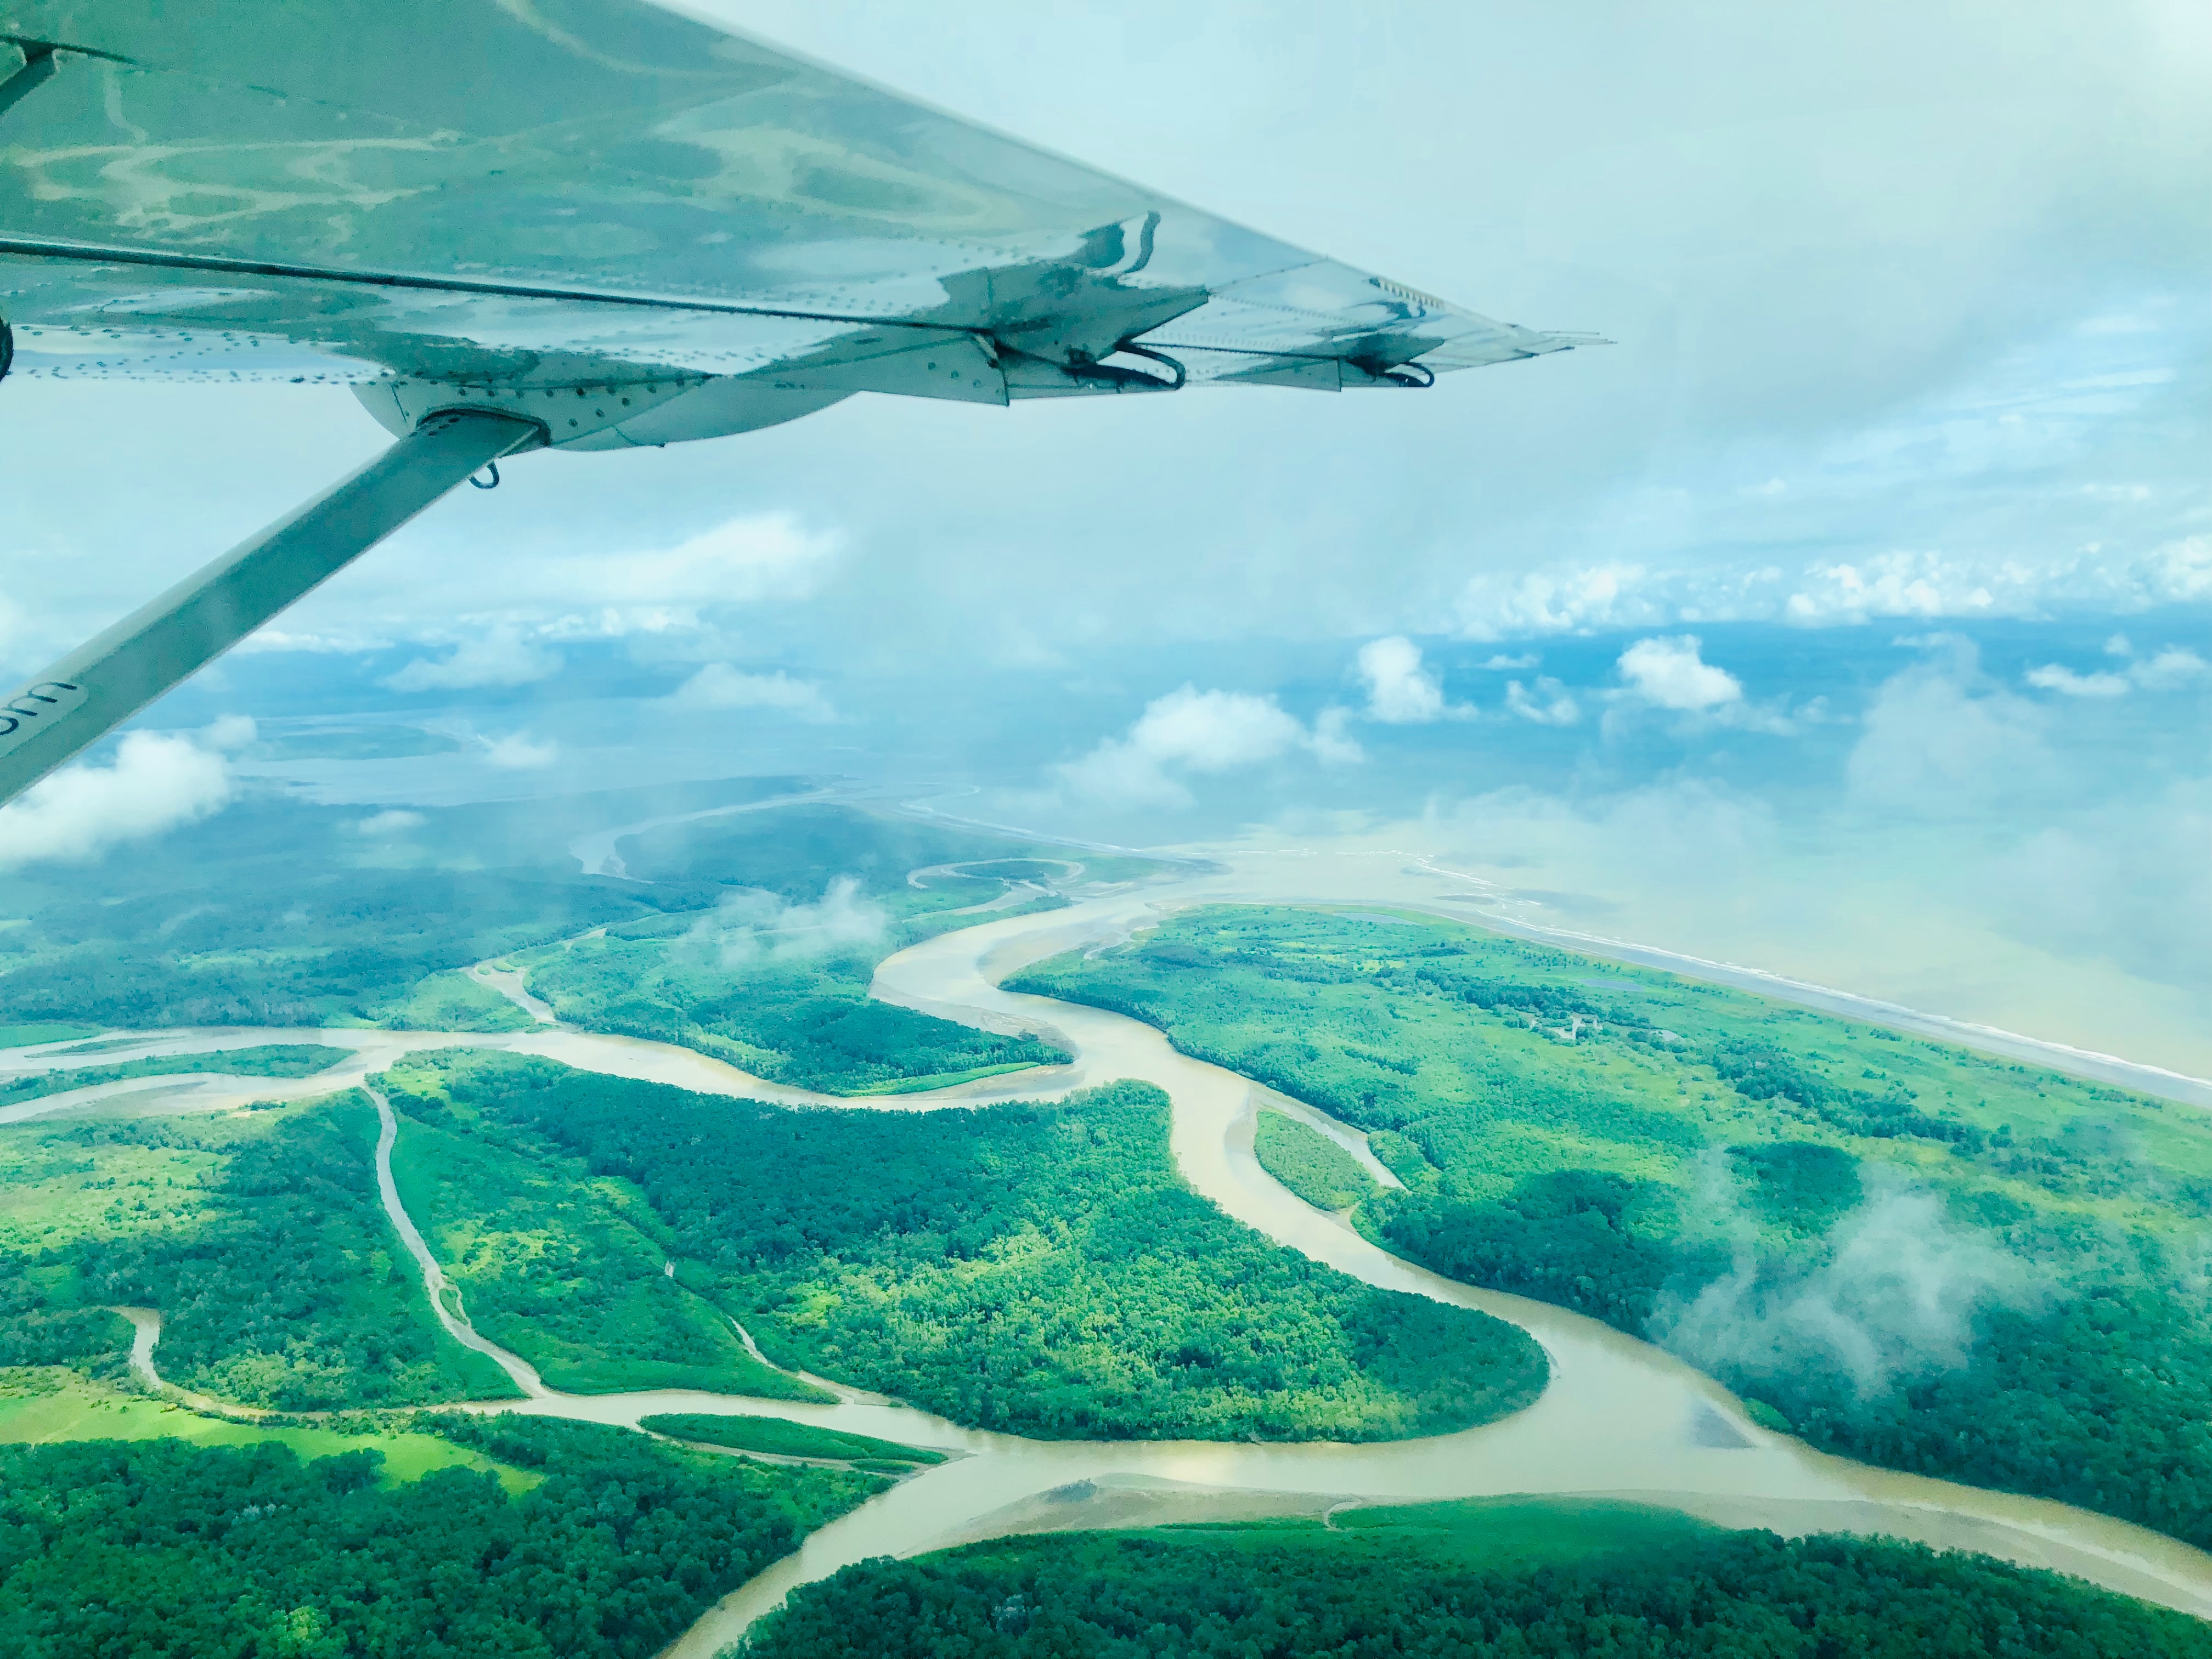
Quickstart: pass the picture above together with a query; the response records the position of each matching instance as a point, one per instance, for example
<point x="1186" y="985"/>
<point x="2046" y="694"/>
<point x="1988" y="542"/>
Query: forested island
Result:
<point x="1479" y="1580"/>
<point x="1038" y="1269"/>
<point x="1902" y="1250"/>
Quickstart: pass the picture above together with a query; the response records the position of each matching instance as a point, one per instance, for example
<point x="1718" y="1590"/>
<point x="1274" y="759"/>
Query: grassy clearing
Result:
<point x="786" y="1440"/>
<point x="47" y="1406"/>
<point x="28" y="1037"/>
<point x="452" y="1001"/>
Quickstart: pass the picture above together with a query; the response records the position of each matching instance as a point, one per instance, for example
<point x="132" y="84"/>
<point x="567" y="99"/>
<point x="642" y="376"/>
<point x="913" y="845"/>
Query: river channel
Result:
<point x="1620" y="1418"/>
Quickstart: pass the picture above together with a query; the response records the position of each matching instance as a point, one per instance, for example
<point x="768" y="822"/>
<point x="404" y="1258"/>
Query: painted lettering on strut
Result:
<point x="36" y="707"/>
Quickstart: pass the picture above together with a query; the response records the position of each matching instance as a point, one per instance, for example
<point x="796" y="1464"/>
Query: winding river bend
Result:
<point x="1620" y="1418"/>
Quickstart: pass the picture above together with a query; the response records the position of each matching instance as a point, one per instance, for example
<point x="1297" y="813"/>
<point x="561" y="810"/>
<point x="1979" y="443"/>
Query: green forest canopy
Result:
<point x="1698" y="1165"/>
<point x="1038" y="1269"/>
<point x="259" y="1237"/>
<point x="1486" y="1579"/>
<point x="162" y="1550"/>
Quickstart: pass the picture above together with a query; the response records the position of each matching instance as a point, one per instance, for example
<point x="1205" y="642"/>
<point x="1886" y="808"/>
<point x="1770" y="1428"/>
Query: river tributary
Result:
<point x="1619" y="1417"/>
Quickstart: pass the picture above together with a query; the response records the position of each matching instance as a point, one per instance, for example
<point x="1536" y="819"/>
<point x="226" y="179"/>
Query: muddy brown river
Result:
<point x="1620" y="1418"/>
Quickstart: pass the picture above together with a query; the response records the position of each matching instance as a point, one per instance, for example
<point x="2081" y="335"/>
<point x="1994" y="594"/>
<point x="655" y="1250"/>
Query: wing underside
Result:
<point x="542" y="194"/>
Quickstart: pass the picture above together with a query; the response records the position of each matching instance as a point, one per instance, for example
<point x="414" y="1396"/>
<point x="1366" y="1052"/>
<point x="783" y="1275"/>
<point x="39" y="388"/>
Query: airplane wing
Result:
<point x="605" y="224"/>
<point x="443" y="189"/>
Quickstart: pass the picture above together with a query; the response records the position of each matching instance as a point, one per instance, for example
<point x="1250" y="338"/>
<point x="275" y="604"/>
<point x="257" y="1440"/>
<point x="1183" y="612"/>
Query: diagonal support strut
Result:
<point x="102" y="683"/>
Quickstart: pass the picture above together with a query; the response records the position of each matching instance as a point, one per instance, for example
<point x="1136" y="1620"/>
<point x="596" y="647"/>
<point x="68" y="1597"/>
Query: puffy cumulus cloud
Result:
<point x="157" y="782"/>
<point x="1547" y="702"/>
<point x="396" y="821"/>
<point x="1936" y="586"/>
<point x="1400" y="690"/>
<point x="1938" y="737"/>
<point x="1930" y="585"/>
<point x="719" y="685"/>
<point x="747" y="926"/>
<point x="2164" y="670"/>
<point x="1202" y="733"/>
<point x="500" y="656"/>
<point x="1673" y="673"/>
<point x="1898" y="583"/>
<point x="1491" y="607"/>
<point x="517" y="752"/>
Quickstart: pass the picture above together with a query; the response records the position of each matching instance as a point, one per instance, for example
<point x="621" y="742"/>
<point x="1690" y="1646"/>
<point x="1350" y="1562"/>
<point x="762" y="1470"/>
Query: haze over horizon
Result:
<point x="1850" y="615"/>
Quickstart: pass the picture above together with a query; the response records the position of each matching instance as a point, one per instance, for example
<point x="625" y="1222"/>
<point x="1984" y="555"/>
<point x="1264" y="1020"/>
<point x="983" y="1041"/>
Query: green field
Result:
<point x="1310" y="1163"/>
<point x="774" y="1435"/>
<point x="47" y="1406"/>
<point x="523" y="1538"/>
<point x="1041" y="1269"/>
<point x="289" y="1060"/>
<point x="259" y="1237"/>
<point x="1498" y="1578"/>
<point x="26" y="1036"/>
<point x="568" y="1270"/>
<point x="1907" y="1252"/>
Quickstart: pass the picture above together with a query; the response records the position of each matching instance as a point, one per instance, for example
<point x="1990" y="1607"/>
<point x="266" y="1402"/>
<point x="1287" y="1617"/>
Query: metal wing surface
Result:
<point x="527" y="195"/>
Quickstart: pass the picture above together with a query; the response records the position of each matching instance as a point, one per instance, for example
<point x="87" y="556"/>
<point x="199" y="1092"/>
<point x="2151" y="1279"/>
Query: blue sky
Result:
<point x="1904" y="426"/>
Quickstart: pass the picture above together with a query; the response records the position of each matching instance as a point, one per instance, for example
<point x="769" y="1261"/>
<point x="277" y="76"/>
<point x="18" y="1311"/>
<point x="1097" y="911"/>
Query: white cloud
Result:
<point x="2183" y="569"/>
<point x="747" y="925"/>
<point x="1937" y="739"/>
<point x="1547" y="703"/>
<point x="393" y="822"/>
<point x="228" y="734"/>
<point x="1555" y="602"/>
<point x="1671" y="673"/>
<point x="1204" y="732"/>
<point x="155" y="783"/>
<point x="1333" y="743"/>
<point x="2172" y="668"/>
<point x="2053" y="677"/>
<point x="1399" y="690"/>
<point x="749" y="561"/>
<point x="1500" y="663"/>
<point x="1895" y="583"/>
<point x="719" y="685"/>
<point x="519" y="751"/>
<point x="499" y="657"/>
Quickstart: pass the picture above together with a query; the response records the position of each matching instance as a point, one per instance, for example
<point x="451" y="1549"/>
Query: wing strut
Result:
<point x="100" y="685"/>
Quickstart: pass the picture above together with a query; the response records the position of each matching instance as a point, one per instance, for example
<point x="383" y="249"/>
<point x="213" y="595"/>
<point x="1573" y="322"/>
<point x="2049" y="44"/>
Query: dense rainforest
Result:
<point x="1902" y="1250"/>
<point x="1498" y="1581"/>
<point x="259" y="1237"/>
<point x="611" y="1546"/>
<point x="1038" y="1268"/>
